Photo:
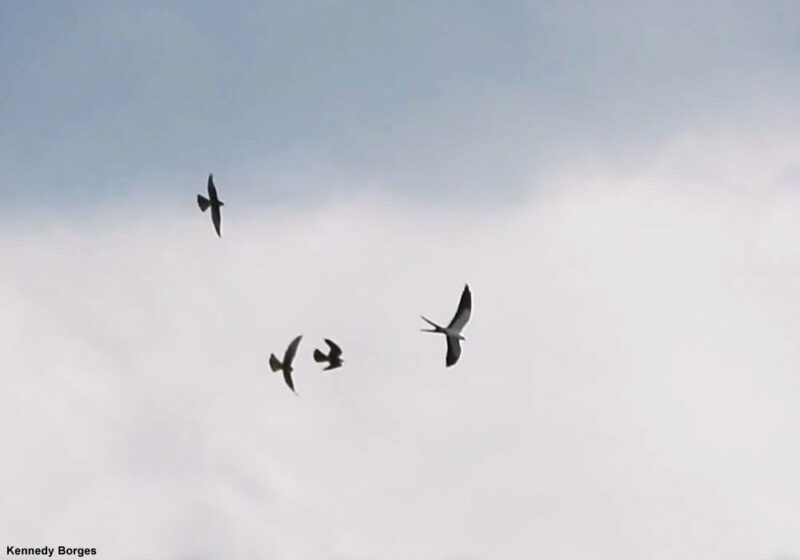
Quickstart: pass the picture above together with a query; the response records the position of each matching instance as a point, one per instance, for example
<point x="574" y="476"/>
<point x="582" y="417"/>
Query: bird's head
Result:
<point x="221" y="203"/>
<point x="461" y="337"/>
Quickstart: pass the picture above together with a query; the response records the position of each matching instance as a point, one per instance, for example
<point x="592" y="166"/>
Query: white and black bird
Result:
<point x="286" y="365"/>
<point x="334" y="357"/>
<point x="453" y="330"/>
<point x="214" y="202"/>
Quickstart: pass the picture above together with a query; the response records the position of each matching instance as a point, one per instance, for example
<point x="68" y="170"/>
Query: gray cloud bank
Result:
<point x="628" y="387"/>
<point x="107" y="101"/>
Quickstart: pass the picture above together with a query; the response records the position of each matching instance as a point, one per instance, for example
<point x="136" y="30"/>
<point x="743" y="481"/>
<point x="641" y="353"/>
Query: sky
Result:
<point x="618" y="182"/>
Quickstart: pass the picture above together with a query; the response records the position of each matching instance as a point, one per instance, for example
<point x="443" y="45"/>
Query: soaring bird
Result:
<point x="286" y="366"/>
<point x="453" y="330"/>
<point x="215" y="203"/>
<point x="334" y="357"/>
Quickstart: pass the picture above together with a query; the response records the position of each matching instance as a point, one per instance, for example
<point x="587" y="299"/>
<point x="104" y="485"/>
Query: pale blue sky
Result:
<point x="431" y="100"/>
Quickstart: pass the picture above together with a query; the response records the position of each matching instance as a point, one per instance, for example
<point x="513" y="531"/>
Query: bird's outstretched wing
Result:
<point x="287" y="377"/>
<point x="212" y="190"/>
<point x="453" y="351"/>
<point x="335" y="350"/>
<point x="462" y="314"/>
<point x="290" y="352"/>
<point x="216" y="217"/>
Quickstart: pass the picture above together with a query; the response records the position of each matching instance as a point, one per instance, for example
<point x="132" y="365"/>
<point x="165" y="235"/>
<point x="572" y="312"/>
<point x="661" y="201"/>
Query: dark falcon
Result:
<point x="334" y="357"/>
<point x="214" y="202"/>
<point x="286" y="366"/>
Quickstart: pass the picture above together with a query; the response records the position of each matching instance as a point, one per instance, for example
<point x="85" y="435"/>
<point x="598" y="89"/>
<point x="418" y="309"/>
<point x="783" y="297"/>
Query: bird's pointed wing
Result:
<point x="464" y="310"/>
<point x="287" y="377"/>
<point x="335" y="350"/>
<point x="453" y="351"/>
<point x="216" y="217"/>
<point x="290" y="352"/>
<point x="212" y="190"/>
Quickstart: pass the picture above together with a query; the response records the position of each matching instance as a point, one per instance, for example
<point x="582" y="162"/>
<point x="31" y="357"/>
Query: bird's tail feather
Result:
<point x="319" y="356"/>
<point x="436" y="328"/>
<point x="203" y="202"/>
<point x="275" y="363"/>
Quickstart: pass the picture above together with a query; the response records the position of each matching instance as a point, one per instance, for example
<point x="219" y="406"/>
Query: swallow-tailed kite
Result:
<point x="453" y="330"/>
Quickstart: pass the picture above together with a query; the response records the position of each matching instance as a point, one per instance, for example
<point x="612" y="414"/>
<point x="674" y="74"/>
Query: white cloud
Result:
<point x="627" y="387"/>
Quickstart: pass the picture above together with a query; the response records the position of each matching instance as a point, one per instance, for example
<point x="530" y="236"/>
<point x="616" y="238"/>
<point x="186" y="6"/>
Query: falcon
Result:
<point x="214" y="202"/>
<point x="334" y="357"/>
<point x="286" y="365"/>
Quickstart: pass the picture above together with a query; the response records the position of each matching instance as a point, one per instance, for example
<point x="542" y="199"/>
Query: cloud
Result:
<point x="627" y="387"/>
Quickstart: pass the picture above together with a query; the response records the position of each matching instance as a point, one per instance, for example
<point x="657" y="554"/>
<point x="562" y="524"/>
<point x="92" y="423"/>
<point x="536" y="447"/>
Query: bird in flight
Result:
<point x="453" y="330"/>
<point x="334" y="357"/>
<point x="286" y="366"/>
<point x="215" y="203"/>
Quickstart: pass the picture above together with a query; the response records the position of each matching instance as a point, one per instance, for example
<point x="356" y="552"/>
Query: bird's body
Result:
<point x="334" y="357"/>
<point x="286" y="366"/>
<point x="214" y="202"/>
<point x="453" y="331"/>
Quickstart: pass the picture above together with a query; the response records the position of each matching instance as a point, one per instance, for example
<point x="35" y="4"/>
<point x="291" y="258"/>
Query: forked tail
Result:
<point x="203" y="202"/>
<point x="275" y="363"/>
<point x="436" y="328"/>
